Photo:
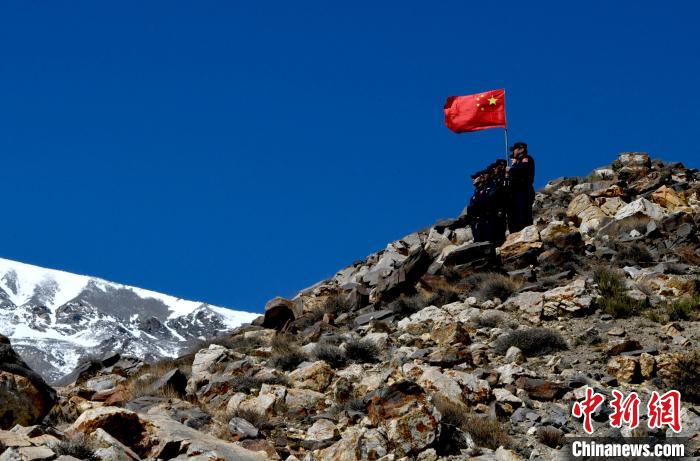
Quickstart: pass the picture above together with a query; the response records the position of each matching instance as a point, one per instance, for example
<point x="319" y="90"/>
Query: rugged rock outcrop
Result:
<point x="25" y="398"/>
<point x="434" y="348"/>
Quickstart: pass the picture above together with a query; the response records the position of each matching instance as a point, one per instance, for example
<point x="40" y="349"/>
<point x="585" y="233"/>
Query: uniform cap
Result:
<point x="518" y="144"/>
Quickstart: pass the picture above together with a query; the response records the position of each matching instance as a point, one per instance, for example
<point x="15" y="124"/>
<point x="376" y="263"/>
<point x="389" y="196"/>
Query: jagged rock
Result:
<point x="305" y="399"/>
<point x="104" y="383"/>
<point x="640" y="207"/>
<point x="279" y="312"/>
<point x="321" y="434"/>
<point x="625" y="345"/>
<point x="521" y="248"/>
<point x="574" y="298"/>
<point x="530" y="302"/>
<point x="124" y="425"/>
<point x="647" y="365"/>
<point x="450" y="333"/>
<point x="356" y="444"/>
<point x="514" y="355"/>
<point x="624" y="368"/>
<point x="315" y="376"/>
<point x="403" y="412"/>
<point x="449" y="356"/>
<point x="611" y="205"/>
<point x="503" y="454"/>
<point x="558" y="234"/>
<point x="540" y="389"/>
<point x="432" y="378"/>
<point x="635" y="162"/>
<point x="423" y="320"/>
<point x="109" y="448"/>
<point x="267" y="402"/>
<point x="170" y="439"/>
<point x="436" y="242"/>
<point x="174" y="380"/>
<point x="241" y="428"/>
<point x="667" y="198"/>
<point x="204" y="364"/>
<point x="25" y="396"/>
<point x="472" y="255"/>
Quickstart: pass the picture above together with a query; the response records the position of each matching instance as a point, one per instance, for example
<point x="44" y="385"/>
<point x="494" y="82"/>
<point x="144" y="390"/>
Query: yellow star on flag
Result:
<point x="492" y="101"/>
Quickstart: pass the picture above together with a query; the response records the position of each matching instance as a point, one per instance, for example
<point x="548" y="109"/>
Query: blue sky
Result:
<point x="231" y="152"/>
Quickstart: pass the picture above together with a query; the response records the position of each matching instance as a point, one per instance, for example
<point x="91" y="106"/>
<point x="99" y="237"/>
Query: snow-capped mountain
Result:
<point x="54" y="317"/>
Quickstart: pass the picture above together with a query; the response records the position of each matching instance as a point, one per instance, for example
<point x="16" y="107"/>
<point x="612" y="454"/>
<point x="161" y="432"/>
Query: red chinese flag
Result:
<point x="476" y="112"/>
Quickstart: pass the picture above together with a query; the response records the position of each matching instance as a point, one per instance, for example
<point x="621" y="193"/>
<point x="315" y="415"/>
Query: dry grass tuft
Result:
<point x="361" y="351"/>
<point x="532" y="341"/>
<point x="614" y="299"/>
<point x="489" y="285"/>
<point x="331" y="354"/>
<point x="286" y="353"/>
<point x="77" y="446"/>
<point x="457" y="419"/>
<point x="687" y="379"/>
<point x="550" y="436"/>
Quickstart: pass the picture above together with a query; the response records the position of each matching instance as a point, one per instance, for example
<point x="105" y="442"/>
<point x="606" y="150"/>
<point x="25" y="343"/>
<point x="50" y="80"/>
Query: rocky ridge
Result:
<point x="435" y="348"/>
<point x="54" y="318"/>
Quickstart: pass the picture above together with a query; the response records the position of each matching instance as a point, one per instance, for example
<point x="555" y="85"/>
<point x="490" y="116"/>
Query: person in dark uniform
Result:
<point x="483" y="209"/>
<point x="521" y="177"/>
<point x="499" y="182"/>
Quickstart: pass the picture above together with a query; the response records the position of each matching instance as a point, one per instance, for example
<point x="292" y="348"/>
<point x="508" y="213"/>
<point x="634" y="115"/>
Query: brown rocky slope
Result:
<point x="433" y="348"/>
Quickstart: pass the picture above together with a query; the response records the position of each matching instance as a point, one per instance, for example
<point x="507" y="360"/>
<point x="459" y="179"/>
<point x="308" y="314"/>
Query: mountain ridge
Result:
<point x="54" y="317"/>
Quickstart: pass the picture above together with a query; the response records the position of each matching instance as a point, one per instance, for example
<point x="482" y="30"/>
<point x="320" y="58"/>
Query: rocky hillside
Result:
<point x="435" y="348"/>
<point x="54" y="318"/>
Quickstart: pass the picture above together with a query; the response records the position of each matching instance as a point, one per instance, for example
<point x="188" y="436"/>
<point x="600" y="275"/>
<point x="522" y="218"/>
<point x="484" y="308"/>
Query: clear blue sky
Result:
<point x="234" y="151"/>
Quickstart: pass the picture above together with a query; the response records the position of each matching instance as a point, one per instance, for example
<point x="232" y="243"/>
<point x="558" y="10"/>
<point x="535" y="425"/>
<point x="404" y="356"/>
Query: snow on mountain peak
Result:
<point x="53" y="317"/>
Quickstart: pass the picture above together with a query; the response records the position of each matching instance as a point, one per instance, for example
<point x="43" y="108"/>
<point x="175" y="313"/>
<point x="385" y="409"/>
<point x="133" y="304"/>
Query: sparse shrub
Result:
<point x="142" y="383"/>
<point x="452" y="421"/>
<point x="486" y="431"/>
<point x="442" y="296"/>
<point x="532" y="341"/>
<point x="609" y="281"/>
<point x="687" y="379"/>
<point x="634" y="254"/>
<point x="78" y="447"/>
<point x="337" y="304"/>
<point x="361" y="351"/>
<point x="620" y="306"/>
<point x="286" y="354"/>
<point x="331" y="354"/>
<point x="491" y="319"/>
<point x="405" y="306"/>
<point x="258" y="419"/>
<point x="686" y="308"/>
<point x="309" y="319"/>
<point x="614" y="299"/>
<point x="493" y="285"/>
<point x="550" y="436"/>
<point x="357" y="404"/>
<point x="237" y="343"/>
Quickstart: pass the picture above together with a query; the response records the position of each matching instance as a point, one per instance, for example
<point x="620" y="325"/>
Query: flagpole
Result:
<point x="507" y="156"/>
<point x="505" y="131"/>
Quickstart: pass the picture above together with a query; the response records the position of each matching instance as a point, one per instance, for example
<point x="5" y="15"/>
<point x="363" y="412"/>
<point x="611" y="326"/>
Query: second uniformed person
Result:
<point x="521" y="177"/>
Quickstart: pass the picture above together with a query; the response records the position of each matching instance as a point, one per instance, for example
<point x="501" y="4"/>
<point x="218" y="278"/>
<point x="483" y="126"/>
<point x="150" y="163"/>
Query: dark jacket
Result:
<point x="522" y="174"/>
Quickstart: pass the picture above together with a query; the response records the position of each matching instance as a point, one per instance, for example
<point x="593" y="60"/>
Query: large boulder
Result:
<point x="24" y="395"/>
<point x="357" y="444"/>
<point x="279" y="313"/>
<point x="640" y="207"/>
<point x="403" y="412"/>
<point x="158" y="436"/>
<point x="521" y="248"/>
